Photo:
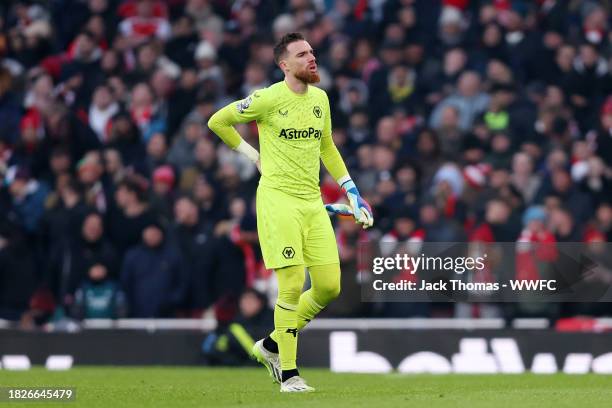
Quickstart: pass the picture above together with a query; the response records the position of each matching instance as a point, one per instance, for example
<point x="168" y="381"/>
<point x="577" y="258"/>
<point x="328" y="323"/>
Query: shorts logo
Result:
<point x="317" y="111"/>
<point x="288" y="252"/>
<point x="244" y="104"/>
<point x="292" y="331"/>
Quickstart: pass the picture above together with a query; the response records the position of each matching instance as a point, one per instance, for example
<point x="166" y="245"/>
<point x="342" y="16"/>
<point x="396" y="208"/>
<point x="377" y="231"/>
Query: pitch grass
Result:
<point x="113" y="387"/>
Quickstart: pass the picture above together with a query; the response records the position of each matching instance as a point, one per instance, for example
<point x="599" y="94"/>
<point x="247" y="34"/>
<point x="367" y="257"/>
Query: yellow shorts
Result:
<point x="293" y="231"/>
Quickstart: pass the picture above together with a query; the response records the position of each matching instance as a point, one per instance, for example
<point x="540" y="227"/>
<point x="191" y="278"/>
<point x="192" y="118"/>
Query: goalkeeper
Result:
<point x="295" y="134"/>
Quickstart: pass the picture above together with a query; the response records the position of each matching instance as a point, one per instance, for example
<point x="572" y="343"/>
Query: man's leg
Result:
<point x="325" y="287"/>
<point x="290" y="284"/>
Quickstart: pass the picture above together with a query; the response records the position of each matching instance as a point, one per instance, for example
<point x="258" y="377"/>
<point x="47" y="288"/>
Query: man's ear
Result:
<point x="283" y="65"/>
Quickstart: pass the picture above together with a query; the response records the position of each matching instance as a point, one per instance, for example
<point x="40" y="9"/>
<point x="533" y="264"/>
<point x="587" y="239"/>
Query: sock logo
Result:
<point x="292" y="331"/>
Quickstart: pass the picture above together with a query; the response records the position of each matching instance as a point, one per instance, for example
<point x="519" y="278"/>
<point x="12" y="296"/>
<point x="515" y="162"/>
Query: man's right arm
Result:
<point x="246" y="110"/>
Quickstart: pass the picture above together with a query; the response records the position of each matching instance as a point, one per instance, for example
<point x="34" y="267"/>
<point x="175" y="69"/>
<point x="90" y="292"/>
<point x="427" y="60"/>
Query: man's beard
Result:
<point x="307" y="76"/>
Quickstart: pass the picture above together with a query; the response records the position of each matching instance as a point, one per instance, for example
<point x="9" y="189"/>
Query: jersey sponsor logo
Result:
<point x="288" y="252"/>
<point x="317" y="111"/>
<point x="244" y="104"/>
<point x="292" y="134"/>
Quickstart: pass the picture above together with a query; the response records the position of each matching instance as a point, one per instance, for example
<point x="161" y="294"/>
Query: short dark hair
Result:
<point x="281" y="46"/>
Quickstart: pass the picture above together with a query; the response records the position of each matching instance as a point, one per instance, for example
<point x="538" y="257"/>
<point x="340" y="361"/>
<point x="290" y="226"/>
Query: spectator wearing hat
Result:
<point x="153" y="275"/>
<point x="30" y="150"/>
<point x="535" y="244"/>
<point x="536" y="251"/>
<point x="206" y="63"/>
<point x="452" y="26"/>
<point x="162" y="191"/>
<point x="524" y="48"/>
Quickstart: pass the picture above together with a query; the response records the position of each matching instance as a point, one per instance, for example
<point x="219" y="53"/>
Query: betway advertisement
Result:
<point x="459" y="351"/>
<point x="413" y="351"/>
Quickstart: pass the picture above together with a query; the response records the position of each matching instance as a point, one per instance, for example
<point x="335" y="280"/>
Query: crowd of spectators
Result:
<point x="478" y="120"/>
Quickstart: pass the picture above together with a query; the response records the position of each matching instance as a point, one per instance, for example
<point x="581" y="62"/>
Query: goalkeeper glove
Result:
<point x="340" y="209"/>
<point x="361" y="209"/>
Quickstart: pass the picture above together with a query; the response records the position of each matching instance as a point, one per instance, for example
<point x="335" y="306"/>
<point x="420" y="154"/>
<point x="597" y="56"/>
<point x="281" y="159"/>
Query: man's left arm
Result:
<point x="333" y="162"/>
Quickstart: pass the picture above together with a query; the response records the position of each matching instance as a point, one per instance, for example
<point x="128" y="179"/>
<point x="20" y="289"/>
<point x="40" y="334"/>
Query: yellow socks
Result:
<point x="290" y="284"/>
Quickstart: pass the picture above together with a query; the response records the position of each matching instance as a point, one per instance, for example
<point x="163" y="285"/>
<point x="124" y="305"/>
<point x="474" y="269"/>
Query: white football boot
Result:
<point x="295" y="384"/>
<point x="270" y="360"/>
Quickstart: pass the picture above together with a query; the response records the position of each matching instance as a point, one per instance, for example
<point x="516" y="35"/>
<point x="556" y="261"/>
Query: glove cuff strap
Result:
<point x="343" y="180"/>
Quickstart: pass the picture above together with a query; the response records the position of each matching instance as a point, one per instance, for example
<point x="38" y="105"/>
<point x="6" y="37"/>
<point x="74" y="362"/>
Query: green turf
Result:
<point x="206" y="387"/>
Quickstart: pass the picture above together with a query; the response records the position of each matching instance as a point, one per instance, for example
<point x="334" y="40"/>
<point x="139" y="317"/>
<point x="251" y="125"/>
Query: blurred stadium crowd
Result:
<point x="481" y="120"/>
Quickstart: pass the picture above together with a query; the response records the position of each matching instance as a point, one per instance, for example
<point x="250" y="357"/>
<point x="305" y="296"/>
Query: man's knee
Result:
<point x="290" y="283"/>
<point x="290" y="293"/>
<point x="328" y="292"/>
<point x="326" y="285"/>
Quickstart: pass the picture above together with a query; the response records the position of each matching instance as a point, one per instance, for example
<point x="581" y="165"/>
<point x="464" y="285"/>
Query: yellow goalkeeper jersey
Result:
<point x="295" y="133"/>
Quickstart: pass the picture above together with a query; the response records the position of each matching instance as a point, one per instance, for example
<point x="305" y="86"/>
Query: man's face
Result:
<point x="85" y="45"/>
<point x="152" y="236"/>
<point x="102" y="97"/>
<point x="299" y="61"/>
<point x="497" y="212"/>
<point x="185" y="212"/>
<point x="18" y="187"/>
<point x="250" y="305"/>
<point x="92" y="228"/>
